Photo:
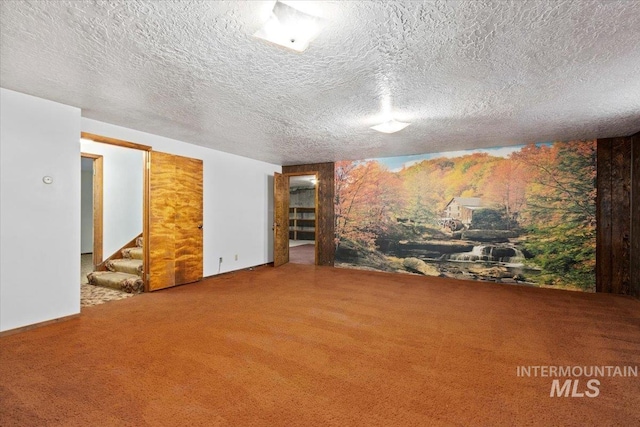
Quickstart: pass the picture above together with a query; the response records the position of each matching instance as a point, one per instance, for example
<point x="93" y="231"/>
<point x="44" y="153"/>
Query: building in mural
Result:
<point x="521" y="215"/>
<point x="459" y="211"/>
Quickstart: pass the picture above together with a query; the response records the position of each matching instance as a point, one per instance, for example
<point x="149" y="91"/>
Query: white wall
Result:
<point x="238" y="199"/>
<point x="41" y="138"/>
<point x="123" y="201"/>
<point x="86" y="206"/>
<point x="39" y="223"/>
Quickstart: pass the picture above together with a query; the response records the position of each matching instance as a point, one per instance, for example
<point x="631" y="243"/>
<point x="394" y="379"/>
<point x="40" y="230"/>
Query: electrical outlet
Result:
<point x="236" y="257"/>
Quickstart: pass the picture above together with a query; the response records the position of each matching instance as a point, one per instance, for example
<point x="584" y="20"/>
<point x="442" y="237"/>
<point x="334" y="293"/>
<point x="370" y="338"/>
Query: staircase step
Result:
<point x="133" y="253"/>
<point x="126" y="265"/>
<point x="130" y="283"/>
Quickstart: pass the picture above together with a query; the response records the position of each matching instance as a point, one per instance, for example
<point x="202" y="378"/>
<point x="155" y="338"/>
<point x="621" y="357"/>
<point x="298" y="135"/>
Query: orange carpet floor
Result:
<point x="302" y="345"/>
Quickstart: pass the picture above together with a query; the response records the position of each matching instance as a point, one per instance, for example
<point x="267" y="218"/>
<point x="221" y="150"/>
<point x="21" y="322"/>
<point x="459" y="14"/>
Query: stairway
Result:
<point x="123" y="274"/>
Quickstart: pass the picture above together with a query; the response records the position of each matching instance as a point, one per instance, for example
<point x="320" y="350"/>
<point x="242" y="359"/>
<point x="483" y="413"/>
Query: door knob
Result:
<point x="200" y="227"/>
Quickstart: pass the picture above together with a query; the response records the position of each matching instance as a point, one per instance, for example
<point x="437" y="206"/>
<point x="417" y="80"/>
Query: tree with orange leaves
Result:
<point x="366" y="194"/>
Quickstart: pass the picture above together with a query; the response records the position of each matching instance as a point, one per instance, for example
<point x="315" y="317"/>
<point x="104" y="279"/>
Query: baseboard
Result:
<point x="37" y="325"/>
<point x="255" y="267"/>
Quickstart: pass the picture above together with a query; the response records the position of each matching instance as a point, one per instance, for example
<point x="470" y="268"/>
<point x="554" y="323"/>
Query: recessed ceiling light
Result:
<point x="290" y="28"/>
<point x="390" y="126"/>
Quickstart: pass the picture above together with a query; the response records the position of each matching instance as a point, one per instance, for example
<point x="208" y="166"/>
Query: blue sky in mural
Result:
<point x="397" y="163"/>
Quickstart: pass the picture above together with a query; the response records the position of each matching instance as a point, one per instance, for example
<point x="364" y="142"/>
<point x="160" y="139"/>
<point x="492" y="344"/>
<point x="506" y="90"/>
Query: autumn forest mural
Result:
<point x="521" y="215"/>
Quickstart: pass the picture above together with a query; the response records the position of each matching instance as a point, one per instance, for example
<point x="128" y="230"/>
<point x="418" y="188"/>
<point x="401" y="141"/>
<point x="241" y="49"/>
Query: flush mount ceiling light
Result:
<point x="290" y="28"/>
<point x="390" y="126"/>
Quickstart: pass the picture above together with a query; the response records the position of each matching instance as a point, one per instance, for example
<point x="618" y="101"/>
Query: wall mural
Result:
<point x="521" y="215"/>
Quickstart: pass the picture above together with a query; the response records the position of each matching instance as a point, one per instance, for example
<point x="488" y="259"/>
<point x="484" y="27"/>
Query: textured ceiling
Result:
<point x="466" y="74"/>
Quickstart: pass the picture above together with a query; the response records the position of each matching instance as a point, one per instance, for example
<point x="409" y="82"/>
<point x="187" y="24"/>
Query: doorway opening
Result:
<point x="91" y="226"/>
<point x="112" y="187"/>
<point x="139" y="251"/>
<point x="302" y="219"/>
<point x="90" y="164"/>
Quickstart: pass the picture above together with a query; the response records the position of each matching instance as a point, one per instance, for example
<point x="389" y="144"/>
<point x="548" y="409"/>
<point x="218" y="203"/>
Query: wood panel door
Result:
<point x="175" y="220"/>
<point x="280" y="219"/>
<point x="189" y="220"/>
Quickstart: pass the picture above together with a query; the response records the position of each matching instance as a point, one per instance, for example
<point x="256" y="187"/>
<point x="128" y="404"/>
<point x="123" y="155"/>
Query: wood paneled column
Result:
<point x="325" y="226"/>
<point x="635" y="215"/>
<point x="618" y="216"/>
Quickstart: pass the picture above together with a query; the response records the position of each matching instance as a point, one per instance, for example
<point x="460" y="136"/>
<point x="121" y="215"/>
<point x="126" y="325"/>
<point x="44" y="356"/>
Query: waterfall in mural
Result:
<point x="509" y="255"/>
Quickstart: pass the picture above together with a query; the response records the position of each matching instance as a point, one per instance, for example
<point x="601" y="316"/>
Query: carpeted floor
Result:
<point x="303" y="254"/>
<point x="303" y="345"/>
<point x="93" y="295"/>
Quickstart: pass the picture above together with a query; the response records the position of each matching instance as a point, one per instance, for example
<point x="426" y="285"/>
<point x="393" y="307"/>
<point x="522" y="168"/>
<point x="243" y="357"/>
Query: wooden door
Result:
<point x="175" y="220"/>
<point x="280" y="219"/>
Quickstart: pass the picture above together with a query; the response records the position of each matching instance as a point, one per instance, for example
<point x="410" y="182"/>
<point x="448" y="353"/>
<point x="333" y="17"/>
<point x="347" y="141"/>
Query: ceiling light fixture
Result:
<point x="290" y="28"/>
<point x="390" y="126"/>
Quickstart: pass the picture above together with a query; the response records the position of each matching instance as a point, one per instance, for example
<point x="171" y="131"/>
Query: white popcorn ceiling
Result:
<point x="467" y="74"/>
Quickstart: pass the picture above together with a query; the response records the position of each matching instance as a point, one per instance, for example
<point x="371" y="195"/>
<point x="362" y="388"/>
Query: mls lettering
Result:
<point x="571" y="388"/>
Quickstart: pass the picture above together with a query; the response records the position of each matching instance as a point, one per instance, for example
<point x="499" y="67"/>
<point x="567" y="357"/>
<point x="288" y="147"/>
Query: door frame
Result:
<point x="145" y="196"/>
<point x="280" y="217"/>
<point x="288" y="175"/>
<point x="97" y="205"/>
<point x="316" y="207"/>
<point x="325" y="237"/>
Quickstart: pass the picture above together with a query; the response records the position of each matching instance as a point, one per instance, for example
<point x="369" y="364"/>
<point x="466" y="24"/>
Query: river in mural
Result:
<point x="520" y="215"/>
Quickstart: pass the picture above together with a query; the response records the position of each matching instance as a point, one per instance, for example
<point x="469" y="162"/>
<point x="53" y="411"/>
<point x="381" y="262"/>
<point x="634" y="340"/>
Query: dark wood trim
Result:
<point x="603" y="217"/>
<point x="617" y="254"/>
<point x="118" y="254"/>
<point x="325" y="211"/>
<point x="281" y="196"/>
<point x="114" y="141"/>
<point x="98" y="207"/>
<point x="621" y="215"/>
<point x="634" y="261"/>
<point x="38" y="325"/>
